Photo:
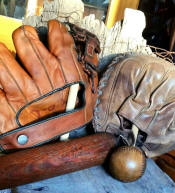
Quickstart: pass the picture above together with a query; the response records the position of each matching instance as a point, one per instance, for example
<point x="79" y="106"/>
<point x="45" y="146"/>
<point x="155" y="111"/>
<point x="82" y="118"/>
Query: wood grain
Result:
<point x="167" y="163"/>
<point x="97" y="180"/>
<point x="54" y="159"/>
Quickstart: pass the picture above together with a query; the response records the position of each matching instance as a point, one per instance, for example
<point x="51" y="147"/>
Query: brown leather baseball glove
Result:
<point x="33" y="94"/>
<point x="138" y="90"/>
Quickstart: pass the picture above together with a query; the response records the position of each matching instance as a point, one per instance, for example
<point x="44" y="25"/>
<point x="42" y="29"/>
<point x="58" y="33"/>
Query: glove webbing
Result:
<point x="86" y="44"/>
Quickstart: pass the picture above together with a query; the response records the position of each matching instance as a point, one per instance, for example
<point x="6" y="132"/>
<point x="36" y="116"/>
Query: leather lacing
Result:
<point x="87" y="44"/>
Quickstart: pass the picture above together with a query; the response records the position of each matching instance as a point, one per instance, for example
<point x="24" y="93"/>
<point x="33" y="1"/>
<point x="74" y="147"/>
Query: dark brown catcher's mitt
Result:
<point x="138" y="90"/>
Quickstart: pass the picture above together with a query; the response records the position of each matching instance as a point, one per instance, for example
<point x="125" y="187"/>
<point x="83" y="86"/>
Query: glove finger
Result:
<point x="16" y="83"/>
<point x="61" y="45"/>
<point x="40" y="63"/>
<point x="6" y="114"/>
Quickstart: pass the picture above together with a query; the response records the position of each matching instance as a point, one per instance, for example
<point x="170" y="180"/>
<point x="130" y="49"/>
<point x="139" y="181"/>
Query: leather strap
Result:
<point x="38" y="133"/>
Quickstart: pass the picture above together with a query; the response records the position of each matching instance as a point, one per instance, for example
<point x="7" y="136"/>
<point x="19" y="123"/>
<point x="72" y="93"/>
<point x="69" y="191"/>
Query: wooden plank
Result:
<point x="96" y="180"/>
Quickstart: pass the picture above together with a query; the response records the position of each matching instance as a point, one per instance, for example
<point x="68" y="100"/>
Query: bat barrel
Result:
<point x="54" y="159"/>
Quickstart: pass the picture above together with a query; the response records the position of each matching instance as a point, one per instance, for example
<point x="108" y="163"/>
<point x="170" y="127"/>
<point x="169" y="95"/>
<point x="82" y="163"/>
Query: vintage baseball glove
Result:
<point x="138" y="90"/>
<point x="34" y="90"/>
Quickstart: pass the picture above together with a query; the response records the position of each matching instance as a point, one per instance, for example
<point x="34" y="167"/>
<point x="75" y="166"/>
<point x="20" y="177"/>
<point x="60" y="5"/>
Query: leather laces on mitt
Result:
<point x="33" y="95"/>
<point x="140" y="91"/>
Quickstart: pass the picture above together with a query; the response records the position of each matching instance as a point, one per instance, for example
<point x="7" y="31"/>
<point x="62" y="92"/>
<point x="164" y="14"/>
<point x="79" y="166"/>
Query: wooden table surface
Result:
<point x="96" y="180"/>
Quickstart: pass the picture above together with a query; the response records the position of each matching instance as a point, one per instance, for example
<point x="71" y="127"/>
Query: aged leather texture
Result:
<point x="138" y="90"/>
<point x="34" y="90"/>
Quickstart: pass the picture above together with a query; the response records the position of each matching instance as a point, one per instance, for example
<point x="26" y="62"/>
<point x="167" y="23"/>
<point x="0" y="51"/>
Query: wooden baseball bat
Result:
<point x="54" y="159"/>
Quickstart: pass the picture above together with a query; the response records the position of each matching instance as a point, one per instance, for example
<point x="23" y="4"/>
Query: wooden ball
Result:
<point x="127" y="163"/>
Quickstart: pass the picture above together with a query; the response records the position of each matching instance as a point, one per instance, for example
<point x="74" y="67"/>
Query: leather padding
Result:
<point x="140" y="90"/>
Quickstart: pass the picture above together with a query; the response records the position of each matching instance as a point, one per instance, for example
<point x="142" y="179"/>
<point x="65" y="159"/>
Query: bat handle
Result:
<point x="70" y="105"/>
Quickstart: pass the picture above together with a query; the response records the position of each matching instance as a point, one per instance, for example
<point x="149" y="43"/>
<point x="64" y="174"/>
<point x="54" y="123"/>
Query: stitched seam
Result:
<point x="37" y="87"/>
<point x="38" y="56"/>
<point x="14" y="80"/>
<point x="60" y="60"/>
<point x="8" y="101"/>
<point x="73" y="57"/>
<point x="10" y="106"/>
<point x="108" y="72"/>
<point x="65" y="79"/>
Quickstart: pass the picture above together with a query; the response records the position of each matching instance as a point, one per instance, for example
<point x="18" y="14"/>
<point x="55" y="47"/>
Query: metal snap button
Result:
<point x="22" y="139"/>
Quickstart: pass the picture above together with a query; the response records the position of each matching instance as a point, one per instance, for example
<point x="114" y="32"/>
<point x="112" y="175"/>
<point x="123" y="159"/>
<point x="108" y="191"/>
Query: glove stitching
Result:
<point x="38" y="56"/>
<point x="91" y="45"/>
<point x="8" y="71"/>
<point x="64" y="75"/>
<point x="89" y="68"/>
<point x="9" y="104"/>
<point x="110" y="70"/>
<point x="105" y="78"/>
<point x="80" y="76"/>
<point x="75" y="63"/>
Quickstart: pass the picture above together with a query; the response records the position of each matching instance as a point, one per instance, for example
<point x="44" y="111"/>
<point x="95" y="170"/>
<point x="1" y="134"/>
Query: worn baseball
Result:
<point x="127" y="163"/>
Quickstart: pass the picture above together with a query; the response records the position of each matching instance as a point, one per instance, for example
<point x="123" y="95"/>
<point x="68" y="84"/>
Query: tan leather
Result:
<point x="139" y="90"/>
<point x="37" y="90"/>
